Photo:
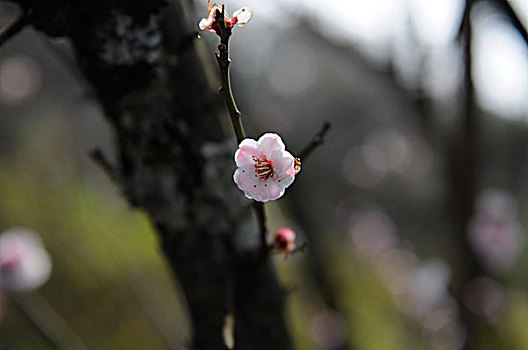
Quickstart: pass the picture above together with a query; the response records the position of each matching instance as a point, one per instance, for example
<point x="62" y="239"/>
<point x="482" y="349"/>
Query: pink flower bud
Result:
<point x="240" y="17"/>
<point x="284" y="240"/>
<point x="24" y="263"/>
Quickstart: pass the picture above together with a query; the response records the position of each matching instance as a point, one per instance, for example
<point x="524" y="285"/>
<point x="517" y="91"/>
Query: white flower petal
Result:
<point x="243" y="15"/>
<point x="205" y="23"/>
<point x="256" y="188"/>
<point x="245" y="178"/>
<point x="257" y="192"/>
<point x="248" y="142"/>
<point x="286" y="180"/>
<point x="269" y="142"/>
<point x="282" y="161"/>
<point x="271" y="192"/>
<point x="271" y="153"/>
<point x="247" y="149"/>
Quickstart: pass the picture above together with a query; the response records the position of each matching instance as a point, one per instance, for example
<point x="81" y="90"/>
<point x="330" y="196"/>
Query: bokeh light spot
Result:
<point x="20" y="78"/>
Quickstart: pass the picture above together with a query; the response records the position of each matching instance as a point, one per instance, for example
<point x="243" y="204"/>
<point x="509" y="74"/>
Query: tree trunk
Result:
<point x="173" y="159"/>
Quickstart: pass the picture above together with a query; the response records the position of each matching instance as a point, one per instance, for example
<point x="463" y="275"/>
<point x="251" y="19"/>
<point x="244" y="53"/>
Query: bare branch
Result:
<point x="316" y="141"/>
<point x="13" y="28"/>
<point x="100" y="159"/>
<point x="263" y="229"/>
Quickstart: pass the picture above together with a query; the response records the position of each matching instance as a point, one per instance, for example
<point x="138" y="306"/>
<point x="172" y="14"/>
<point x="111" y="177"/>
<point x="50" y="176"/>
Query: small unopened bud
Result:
<point x="24" y="263"/>
<point x="284" y="240"/>
<point x="297" y="165"/>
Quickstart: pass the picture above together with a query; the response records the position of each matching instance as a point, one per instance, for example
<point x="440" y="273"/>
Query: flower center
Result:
<point x="263" y="168"/>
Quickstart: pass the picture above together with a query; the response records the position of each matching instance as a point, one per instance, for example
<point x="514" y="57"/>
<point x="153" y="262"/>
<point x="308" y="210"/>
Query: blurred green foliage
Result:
<point x="112" y="289"/>
<point x="110" y="283"/>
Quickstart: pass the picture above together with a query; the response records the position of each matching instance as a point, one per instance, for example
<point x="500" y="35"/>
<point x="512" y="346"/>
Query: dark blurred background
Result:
<point x="378" y="202"/>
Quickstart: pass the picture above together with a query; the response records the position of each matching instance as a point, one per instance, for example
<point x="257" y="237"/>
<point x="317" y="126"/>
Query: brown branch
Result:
<point x="100" y="159"/>
<point x="299" y="249"/>
<point x="463" y="157"/>
<point x="171" y="161"/>
<point x="223" y="63"/>
<point x="38" y="323"/>
<point x="222" y="57"/>
<point x="258" y="311"/>
<point x="263" y="229"/>
<point x="52" y="327"/>
<point x="316" y="141"/>
<point x="14" y="27"/>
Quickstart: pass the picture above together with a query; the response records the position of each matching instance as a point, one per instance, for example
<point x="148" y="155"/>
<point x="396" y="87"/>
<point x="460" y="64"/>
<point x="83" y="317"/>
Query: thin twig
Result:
<point x="465" y="180"/>
<point x="99" y="158"/>
<point x="300" y="249"/>
<point x="224" y="32"/>
<point x="223" y="62"/>
<point x="53" y="328"/>
<point x="13" y="28"/>
<point x="37" y="323"/>
<point x="316" y="141"/>
<point x="263" y="229"/>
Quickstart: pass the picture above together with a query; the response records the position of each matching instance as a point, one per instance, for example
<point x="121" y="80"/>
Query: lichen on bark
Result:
<point x="173" y="159"/>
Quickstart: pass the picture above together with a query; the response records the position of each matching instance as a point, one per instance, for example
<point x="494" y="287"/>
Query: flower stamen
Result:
<point x="263" y="167"/>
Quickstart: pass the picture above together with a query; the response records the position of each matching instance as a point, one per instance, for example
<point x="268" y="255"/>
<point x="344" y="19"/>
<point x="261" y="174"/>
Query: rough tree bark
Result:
<point x="173" y="159"/>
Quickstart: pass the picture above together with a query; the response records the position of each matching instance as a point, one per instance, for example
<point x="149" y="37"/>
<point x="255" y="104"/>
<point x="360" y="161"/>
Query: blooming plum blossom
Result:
<point x="284" y="240"/>
<point x="265" y="168"/>
<point x="24" y="262"/>
<point x="240" y="17"/>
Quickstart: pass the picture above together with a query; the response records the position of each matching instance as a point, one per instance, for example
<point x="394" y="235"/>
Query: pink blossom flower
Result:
<point x="284" y="240"/>
<point x="240" y="17"/>
<point x="24" y="263"/>
<point x="265" y="168"/>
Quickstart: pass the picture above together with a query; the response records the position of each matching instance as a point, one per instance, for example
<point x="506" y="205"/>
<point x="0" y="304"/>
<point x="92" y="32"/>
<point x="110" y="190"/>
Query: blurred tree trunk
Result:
<point x="464" y="182"/>
<point x="173" y="160"/>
